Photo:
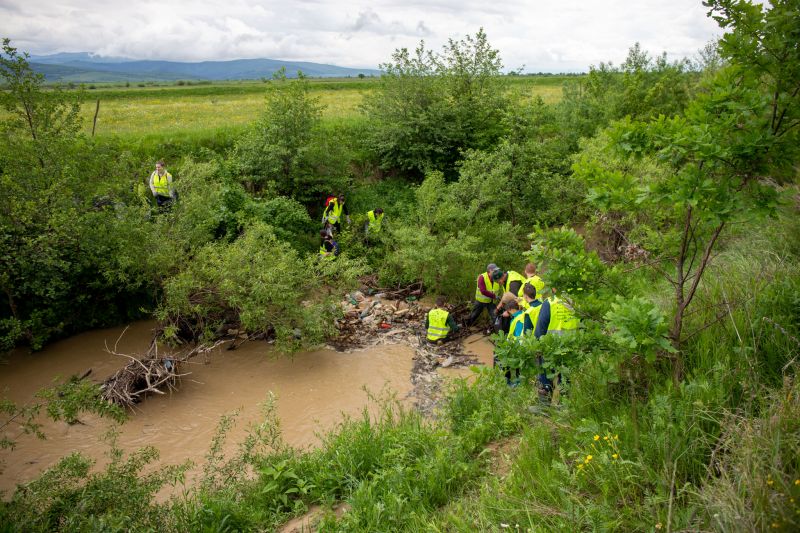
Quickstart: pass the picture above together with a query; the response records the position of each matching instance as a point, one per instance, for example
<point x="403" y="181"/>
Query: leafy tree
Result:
<point x="258" y="284"/>
<point x="525" y="179"/>
<point x="641" y="87"/>
<point x="41" y="124"/>
<point x="430" y="106"/>
<point x="273" y="154"/>
<point x="50" y="210"/>
<point x="442" y="238"/>
<point x="685" y="180"/>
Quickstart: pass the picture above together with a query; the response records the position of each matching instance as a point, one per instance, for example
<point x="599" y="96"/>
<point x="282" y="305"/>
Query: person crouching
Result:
<point x="439" y="324"/>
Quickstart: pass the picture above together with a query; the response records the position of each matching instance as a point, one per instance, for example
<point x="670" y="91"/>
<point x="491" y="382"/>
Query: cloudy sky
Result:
<point x="536" y="35"/>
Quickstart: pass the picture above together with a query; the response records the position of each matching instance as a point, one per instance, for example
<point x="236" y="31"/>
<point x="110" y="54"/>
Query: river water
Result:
<point x="313" y="390"/>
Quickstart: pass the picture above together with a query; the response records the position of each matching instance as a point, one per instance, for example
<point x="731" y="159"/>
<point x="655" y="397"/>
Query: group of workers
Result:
<point x="518" y="305"/>
<point x="335" y="211"/>
<point x="164" y="195"/>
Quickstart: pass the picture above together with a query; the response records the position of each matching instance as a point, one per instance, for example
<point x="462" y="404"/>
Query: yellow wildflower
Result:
<point x="615" y="456"/>
<point x="588" y="458"/>
<point x="605" y="438"/>
<point x="597" y="437"/>
<point x="770" y="482"/>
<point x="580" y="466"/>
<point x="797" y="481"/>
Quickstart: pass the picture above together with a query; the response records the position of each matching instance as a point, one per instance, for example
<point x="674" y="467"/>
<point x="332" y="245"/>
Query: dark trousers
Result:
<point x="544" y="382"/>
<point x="502" y="323"/>
<point x="507" y="372"/>
<point x="477" y="309"/>
<point x="332" y="228"/>
<point x="163" y="201"/>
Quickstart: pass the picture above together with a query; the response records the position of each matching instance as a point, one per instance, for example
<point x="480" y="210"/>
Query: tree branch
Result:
<point x="703" y="264"/>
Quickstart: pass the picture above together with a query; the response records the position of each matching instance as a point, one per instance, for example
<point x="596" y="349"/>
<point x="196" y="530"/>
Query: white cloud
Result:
<point x="549" y="36"/>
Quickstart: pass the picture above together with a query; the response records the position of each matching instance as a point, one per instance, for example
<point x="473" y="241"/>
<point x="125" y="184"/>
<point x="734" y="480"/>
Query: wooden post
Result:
<point x="96" y="112"/>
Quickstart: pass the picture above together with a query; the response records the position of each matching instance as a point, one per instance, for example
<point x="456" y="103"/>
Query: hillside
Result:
<point x="83" y="67"/>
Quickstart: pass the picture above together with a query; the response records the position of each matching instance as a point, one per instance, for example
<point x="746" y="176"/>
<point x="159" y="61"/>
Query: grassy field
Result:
<point x="180" y="112"/>
<point x="197" y="109"/>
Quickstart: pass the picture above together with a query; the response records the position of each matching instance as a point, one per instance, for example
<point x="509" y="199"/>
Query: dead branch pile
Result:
<point x="149" y="373"/>
<point x="370" y="286"/>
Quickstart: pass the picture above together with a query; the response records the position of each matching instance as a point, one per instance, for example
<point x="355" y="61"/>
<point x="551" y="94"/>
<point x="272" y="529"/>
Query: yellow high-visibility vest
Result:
<point x="517" y="321"/>
<point x="161" y="183"/>
<point x="515" y="276"/>
<point x="437" y="324"/>
<point x="374" y="222"/>
<point x="533" y="313"/>
<point x="334" y="211"/>
<point x="562" y="318"/>
<point x="325" y="254"/>
<point x="491" y="286"/>
<point x="537" y="283"/>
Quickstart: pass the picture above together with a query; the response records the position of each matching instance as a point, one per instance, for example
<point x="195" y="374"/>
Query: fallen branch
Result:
<point x="149" y="373"/>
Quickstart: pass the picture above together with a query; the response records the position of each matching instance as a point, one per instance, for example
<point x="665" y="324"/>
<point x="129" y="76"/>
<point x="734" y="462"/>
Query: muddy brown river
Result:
<point x="313" y="389"/>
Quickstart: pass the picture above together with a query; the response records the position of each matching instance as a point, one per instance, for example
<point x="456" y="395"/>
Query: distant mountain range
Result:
<point x="83" y="67"/>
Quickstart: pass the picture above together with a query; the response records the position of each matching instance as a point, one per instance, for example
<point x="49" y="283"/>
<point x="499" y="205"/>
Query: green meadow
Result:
<point x="180" y="110"/>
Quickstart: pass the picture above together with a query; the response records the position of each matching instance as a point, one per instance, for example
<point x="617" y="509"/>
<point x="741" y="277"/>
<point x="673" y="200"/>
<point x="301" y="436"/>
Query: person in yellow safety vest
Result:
<point x="487" y="292"/>
<point x="503" y="318"/>
<point x="532" y="306"/>
<point x="161" y="185"/>
<point x="532" y="278"/>
<point x="374" y="222"/>
<point x="525" y="321"/>
<point x="562" y="317"/>
<point x="555" y="318"/>
<point x="439" y="323"/>
<point x="329" y="249"/>
<point x="516" y="330"/>
<point x="513" y="282"/>
<point x="334" y="212"/>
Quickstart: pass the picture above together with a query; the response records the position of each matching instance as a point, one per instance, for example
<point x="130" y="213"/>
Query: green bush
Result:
<point x="430" y="106"/>
<point x="69" y="497"/>
<point x="257" y="283"/>
<point x="443" y="241"/>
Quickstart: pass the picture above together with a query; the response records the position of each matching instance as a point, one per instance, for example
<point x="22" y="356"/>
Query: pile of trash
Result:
<point x="374" y="317"/>
<point x="370" y="320"/>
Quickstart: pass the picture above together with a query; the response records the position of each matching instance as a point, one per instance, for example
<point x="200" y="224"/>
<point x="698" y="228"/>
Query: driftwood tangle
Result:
<point x="150" y="373"/>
